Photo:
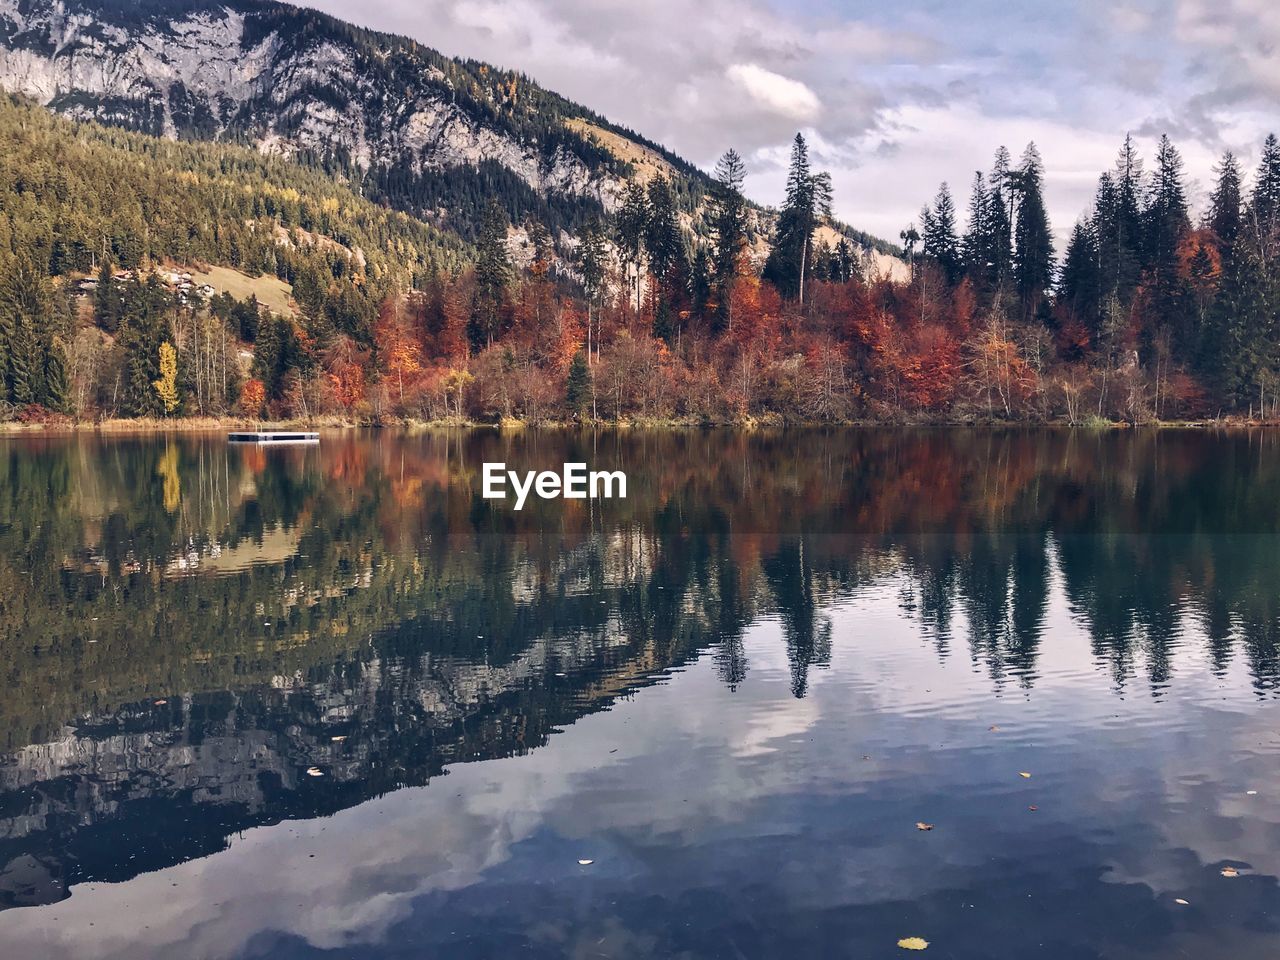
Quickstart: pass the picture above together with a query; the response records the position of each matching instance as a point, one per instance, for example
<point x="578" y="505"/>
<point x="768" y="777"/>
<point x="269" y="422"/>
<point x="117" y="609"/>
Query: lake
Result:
<point x="804" y="694"/>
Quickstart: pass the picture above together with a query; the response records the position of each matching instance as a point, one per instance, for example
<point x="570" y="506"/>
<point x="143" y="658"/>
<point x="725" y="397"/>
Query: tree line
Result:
<point x="669" y="307"/>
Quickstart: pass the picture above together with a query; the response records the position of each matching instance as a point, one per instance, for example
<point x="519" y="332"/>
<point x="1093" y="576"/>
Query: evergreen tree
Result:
<point x="578" y="386"/>
<point x="1264" y="203"/>
<point x="26" y="312"/>
<point x="1033" y="257"/>
<point x="844" y="262"/>
<point x="592" y="260"/>
<point x="940" y="241"/>
<point x="1118" y="223"/>
<point x="1241" y="352"/>
<point x="1080" y="290"/>
<point x="1167" y="225"/>
<point x="144" y="306"/>
<point x="664" y="247"/>
<point x="275" y="354"/>
<point x="629" y="228"/>
<point x="700" y="282"/>
<point x="999" y="222"/>
<point x="807" y="203"/>
<point x="57" y="391"/>
<point x="974" y="249"/>
<point x="727" y="216"/>
<point x="106" y="305"/>
<point x="24" y="385"/>
<point x="493" y="274"/>
<point x="1225" y="216"/>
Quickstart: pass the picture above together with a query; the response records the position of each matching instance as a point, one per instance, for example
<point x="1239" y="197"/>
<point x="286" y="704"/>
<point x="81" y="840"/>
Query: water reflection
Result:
<point x="198" y="639"/>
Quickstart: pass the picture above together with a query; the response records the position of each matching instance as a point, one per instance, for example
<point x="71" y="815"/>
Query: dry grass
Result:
<point x="648" y="163"/>
<point x="271" y="291"/>
<point x="149" y="425"/>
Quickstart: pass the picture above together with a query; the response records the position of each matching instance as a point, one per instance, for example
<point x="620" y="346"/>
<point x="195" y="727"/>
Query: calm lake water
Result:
<point x="328" y="701"/>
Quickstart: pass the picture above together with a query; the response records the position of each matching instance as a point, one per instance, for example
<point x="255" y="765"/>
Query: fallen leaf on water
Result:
<point x="1179" y="900"/>
<point x="585" y="863"/>
<point x="1230" y="872"/>
<point x="1024" y="775"/>
<point x="913" y="943"/>
<point x="314" y="772"/>
<point x="921" y="825"/>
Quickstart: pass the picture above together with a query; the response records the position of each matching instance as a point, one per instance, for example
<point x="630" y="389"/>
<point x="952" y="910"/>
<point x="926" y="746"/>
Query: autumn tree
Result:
<point x="166" y="385"/>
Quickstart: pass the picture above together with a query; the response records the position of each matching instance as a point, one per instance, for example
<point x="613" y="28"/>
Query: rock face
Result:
<point x="425" y="133"/>
<point x="292" y="80"/>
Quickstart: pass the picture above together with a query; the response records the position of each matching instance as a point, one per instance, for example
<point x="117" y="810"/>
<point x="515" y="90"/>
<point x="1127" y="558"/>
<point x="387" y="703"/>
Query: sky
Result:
<point x="894" y="98"/>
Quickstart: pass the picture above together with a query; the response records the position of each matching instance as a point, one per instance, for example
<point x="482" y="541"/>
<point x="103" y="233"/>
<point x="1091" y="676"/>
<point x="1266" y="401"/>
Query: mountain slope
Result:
<point x="429" y="134"/>
<point x="299" y="83"/>
<point x="71" y="194"/>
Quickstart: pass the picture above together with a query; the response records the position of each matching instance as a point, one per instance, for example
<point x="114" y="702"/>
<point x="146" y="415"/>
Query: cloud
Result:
<point x="894" y="99"/>
<point x="790" y="98"/>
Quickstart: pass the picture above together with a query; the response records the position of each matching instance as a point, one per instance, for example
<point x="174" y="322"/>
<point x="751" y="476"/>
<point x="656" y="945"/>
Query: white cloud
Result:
<point x="894" y="100"/>
<point x="782" y="95"/>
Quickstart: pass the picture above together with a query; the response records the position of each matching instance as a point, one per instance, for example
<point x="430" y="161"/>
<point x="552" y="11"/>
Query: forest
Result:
<point x="665" y="310"/>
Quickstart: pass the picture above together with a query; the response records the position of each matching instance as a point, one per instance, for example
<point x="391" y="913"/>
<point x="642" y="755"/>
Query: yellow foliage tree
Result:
<point x="167" y="385"/>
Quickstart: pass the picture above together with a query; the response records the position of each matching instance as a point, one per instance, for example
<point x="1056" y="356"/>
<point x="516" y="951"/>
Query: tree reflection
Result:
<point x="169" y="607"/>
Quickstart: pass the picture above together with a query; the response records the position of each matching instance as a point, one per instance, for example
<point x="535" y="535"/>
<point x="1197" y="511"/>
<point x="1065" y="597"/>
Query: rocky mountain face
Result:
<point x="425" y="133"/>
<point x="295" y="82"/>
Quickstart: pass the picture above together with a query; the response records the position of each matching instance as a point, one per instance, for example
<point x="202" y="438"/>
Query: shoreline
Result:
<point x="198" y="425"/>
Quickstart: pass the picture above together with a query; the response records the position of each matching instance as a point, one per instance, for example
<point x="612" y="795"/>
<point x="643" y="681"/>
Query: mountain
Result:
<point x="432" y="135"/>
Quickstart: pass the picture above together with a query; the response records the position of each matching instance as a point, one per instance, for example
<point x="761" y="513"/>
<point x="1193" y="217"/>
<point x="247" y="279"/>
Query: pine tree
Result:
<point x="24" y="386"/>
<point x="940" y="241"/>
<point x="1033" y="256"/>
<point x="664" y="248"/>
<point x="1166" y="226"/>
<point x="1241" y="349"/>
<point x="700" y="282"/>
<point x="629" y="229"/>
<point x="1225" y="217"/>
<point x="1264" y="203"/>
<point x="106" y="306"/>
<point x="807" y="203"/>
<point x="578" y="386"/>
<point x="999" y="222"/>
<point x="25" y="316"/>
<point x="844" y="265"/>
<point x="592" y="262"/>
<point x="727" y="216"/>
<point x="493" y="274"/>
<point x="1080" y="289"/>
<point x="57" y="391"/>
<point x="974" y="246"/>
<point x="1118" y="223"/>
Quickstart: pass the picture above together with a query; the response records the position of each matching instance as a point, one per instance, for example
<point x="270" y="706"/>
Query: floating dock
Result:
<point x="272" y="437"/>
